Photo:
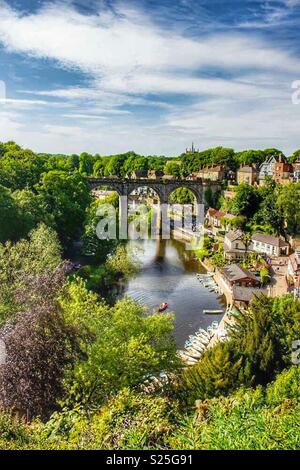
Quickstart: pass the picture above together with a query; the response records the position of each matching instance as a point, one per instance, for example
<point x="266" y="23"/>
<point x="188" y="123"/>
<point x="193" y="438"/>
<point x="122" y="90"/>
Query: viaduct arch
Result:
<point x="163" y="188"/>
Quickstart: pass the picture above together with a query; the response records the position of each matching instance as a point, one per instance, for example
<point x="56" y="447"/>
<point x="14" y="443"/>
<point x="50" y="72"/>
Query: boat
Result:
<point x="163" y="307"/>
<point x="193" y="353"/>
<point x="198" y="347"/>
<point x="213" y="312"/>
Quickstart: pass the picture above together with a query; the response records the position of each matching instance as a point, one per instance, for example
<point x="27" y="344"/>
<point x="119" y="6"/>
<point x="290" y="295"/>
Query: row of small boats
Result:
<point x="197" y="344"/>
<point x="207" y="281"/>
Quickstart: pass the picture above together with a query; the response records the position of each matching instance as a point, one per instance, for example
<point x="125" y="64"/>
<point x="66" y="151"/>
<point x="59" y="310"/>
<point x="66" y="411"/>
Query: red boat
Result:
<point x="163" y="307"/>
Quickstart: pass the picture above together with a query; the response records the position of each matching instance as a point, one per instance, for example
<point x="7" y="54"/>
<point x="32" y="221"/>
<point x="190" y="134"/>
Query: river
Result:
<point x="168" y="274"/>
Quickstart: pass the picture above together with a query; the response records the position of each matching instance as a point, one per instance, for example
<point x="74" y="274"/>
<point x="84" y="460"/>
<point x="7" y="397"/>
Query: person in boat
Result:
<point x="163" y="307"/>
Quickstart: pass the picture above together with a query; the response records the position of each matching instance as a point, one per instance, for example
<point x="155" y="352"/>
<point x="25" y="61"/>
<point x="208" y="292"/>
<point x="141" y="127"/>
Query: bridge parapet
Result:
<point x="163" y="187"/>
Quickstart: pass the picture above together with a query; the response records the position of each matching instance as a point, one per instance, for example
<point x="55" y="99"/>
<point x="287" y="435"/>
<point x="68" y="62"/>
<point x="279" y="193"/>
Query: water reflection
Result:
<point x="168" y="274"/>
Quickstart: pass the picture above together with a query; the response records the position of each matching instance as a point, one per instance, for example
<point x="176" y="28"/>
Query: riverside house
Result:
<point x="234" y="246"/>
<point x="235" y="275"/>
<point x="269" y="245"/>
<point x="214" y="219"/>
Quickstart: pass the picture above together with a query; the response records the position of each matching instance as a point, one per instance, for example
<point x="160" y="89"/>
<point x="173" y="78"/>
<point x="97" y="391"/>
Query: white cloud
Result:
<point x="123" y="44"/>
<point x="83" y="116"/>
<point x="292" y="3"/>
<point x="127" y="57"/>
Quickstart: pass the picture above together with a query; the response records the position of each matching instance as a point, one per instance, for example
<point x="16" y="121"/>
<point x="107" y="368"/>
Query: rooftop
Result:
<point x="233" y="235"/>
<point x="212" y="168"/>
<point x="234" y="272"/>
<point x="248" y="169"/>
<point x="215" y="213"/>
<point x="269" y="239"/>
<point x="246" y="294"/>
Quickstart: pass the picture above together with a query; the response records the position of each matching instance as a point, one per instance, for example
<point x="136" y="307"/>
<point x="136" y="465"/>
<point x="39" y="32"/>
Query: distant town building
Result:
<point x="192" y="149"/>
<point x="102" y="194"/>
<point x="269" y="245"/>
<point x="170" y="177"/>
<point x="228" y="194"/>
<point x="213" y="173"/>
<point x="248" y="174"/>
<point x="139" y="174"/>
<point x="155" y="174"/>
<point x="283" y="172"/>
<point x="267" y="168"/>
<point x="231" y="175"/>
<point x="296" y="170"/>
<point x="193" y="177"/>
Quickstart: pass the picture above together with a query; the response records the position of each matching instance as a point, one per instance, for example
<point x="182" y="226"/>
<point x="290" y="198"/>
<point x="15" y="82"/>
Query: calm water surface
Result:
<point x="168" y="274"/>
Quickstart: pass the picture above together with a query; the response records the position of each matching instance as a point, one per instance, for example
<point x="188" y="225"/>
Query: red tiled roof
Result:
<point x="215" y="213"/>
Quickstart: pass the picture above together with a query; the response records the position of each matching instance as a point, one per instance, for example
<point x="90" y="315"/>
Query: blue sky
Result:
<point x="152" y="76"/>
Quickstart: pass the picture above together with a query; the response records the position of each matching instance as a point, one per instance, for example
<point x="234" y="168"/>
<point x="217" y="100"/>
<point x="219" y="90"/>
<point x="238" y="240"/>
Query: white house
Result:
<point x="269" y="245"/>
<point x="234" y="247"/>
<point x="267" y="169"/>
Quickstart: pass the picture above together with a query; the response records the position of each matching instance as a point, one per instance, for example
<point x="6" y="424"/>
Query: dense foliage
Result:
<point x="270" y="208"/>
<point x="84" y="374"/>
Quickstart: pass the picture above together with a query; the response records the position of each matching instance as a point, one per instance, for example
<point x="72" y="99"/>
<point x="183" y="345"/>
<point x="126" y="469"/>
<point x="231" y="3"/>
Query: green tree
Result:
<point x="10" y="216"/>
<point x="66" y="197"/>
<point x="86" y="163"/>
<point x="182" y="196"/>
<point x="115" y="166"/>
<point x="21" y="168"/>
<point x="172" y="168"/>
<point x="32" y="209"/>
<point x="26" y="258"/>
<point x="144" y="344"/>
<point x="248" y="157"/>
<point x="294" y="156"/>
<point x="215" y="374"/>
<point x="134" y="163"/>
<point x="99" y="168"/>
<point x="288" y="203"/>
<point x="92" y="245"/>
<point x="245" y="201"/>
